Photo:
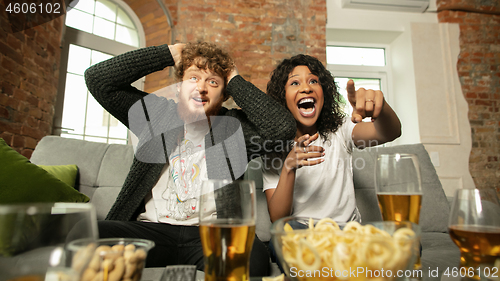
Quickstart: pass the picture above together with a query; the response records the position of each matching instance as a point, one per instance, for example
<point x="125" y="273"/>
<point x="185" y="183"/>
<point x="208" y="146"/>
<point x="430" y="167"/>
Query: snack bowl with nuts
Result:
<point x="322" y="250"/>
<point x="116" y="259"/>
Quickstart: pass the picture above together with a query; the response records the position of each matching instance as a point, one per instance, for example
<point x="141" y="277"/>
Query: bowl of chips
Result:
<point x="322" y="250"/>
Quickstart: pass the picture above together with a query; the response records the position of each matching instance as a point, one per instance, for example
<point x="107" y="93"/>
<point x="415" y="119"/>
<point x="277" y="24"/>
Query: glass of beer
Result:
<point x="398" y="187"/>
<point x="227" y="228"/>
<point x="474" y="227"/>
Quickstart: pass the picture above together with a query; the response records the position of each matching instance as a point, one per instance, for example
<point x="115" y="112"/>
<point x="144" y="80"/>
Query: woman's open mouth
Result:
<point x="307" y="107"/>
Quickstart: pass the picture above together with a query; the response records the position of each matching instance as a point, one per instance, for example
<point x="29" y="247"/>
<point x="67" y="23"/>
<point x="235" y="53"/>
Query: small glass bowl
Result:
<point x="372" y="253"/>
<point x="117" y="259"/>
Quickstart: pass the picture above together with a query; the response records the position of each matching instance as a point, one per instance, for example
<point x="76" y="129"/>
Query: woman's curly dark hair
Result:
<point x="205" y="56"/>
<point x="332" y="114"/>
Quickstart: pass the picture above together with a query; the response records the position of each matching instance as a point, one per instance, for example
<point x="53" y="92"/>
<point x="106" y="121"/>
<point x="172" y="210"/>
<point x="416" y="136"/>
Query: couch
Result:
<point x="103" y="169"/>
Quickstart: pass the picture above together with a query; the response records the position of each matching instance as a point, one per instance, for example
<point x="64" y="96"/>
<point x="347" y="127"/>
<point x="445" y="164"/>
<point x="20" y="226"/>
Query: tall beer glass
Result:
<point x="474" y="227"/>
<point x="227" y="228"/>
<point x="398" y="187"/>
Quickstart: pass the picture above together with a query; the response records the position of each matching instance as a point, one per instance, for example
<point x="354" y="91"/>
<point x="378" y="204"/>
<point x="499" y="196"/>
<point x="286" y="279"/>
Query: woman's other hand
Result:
<point x="304" y="154"/>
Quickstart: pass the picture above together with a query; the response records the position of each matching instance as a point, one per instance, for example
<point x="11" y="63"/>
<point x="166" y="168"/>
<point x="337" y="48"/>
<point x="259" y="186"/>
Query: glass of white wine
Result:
<point x="474" y="226"/>
<point x="227" y="228"/>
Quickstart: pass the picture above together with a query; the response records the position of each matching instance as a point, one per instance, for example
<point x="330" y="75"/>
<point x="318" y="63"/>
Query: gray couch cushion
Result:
<point x="366" y="200"/>
<point x="103" y="199"/>
<point x="115" y="165"/>
<point x="102" y="168"/>
<point x="438" y="253"/>
<point x="435" y="209"/>
<point x="52" y="150"/>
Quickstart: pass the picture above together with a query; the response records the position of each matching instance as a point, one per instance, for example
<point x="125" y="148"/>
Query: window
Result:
<point x="96" y="30"/>
<point x="103" y="18"/>
<point x="82" y="113"/>
<point x="355" y="56"/>
<point x="366" y="66"/>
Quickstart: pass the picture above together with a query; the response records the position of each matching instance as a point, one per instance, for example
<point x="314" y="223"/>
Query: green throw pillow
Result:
<point x="65" y="173"/>
<point x="24" y="182"/>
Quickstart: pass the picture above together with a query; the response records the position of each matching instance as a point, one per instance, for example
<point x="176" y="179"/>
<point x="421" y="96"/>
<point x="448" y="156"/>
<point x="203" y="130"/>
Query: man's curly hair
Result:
<point x="206" y="56"/>
<point x="332" y="114"/>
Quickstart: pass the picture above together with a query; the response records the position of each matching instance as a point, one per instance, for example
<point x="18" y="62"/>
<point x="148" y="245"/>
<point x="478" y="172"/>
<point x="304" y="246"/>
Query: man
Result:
<point x="158" y="199"/>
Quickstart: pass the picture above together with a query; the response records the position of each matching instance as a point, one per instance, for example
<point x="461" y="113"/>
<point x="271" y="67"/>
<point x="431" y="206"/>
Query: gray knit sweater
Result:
<point x="266" y="125"/>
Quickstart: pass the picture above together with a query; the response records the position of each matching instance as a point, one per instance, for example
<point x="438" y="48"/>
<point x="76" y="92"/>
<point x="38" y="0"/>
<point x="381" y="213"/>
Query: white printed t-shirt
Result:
<point x="175" y="197"/>
<point x="327" y="189"/>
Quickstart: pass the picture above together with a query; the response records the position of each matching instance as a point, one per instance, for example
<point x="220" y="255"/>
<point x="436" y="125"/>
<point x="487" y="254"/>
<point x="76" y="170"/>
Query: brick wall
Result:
<point x="257" y="33"/>
<point x="479" y="72"/>
<point x="29" y="75"/>
<point x="157" y="31"/>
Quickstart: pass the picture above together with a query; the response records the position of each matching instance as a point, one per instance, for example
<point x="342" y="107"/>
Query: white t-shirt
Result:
<point x="327" y="189"/>
<point x="175" y="197"/>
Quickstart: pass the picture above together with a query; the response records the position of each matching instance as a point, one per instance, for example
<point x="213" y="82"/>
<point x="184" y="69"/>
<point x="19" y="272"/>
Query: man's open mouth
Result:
<point x="199" y="101"/>
<point x="307" y="106"/>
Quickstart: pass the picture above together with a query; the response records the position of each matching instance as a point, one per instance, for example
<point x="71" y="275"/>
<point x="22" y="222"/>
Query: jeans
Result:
<point x="177" y="244"/>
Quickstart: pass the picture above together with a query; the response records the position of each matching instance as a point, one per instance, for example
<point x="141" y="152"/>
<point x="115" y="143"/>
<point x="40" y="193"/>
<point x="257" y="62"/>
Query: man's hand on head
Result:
<point x="233" y="73"/>
<point x="176" y="51"/>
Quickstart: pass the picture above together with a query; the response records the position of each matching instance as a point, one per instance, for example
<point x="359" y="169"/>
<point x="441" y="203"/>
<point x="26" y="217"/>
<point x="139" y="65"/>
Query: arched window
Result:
<point x="95" y="31"/>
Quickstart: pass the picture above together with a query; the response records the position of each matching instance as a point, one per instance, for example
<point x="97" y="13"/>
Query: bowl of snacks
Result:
<point x="322" y="250"/>
<point x="115" y="259"/>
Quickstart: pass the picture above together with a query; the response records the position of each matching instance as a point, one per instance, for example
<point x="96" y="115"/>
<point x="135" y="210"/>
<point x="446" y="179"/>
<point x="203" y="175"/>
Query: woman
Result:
<point x="315" y="180"/>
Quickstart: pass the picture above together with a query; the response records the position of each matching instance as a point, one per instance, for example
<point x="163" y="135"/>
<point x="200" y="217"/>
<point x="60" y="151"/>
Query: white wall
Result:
<point x="392" y="29"/>
<point x="418" y="59"/>
<point x="444" y="125"/>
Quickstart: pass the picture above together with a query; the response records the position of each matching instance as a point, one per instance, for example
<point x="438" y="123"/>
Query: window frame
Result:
<point x="94" y="42"/>
<point x="361" y="71"/>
